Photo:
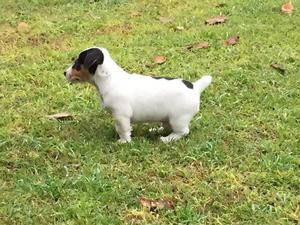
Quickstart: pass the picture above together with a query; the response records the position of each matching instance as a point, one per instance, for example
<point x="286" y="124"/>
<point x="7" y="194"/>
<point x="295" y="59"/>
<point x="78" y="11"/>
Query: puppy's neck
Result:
<point x="107" y="73"/>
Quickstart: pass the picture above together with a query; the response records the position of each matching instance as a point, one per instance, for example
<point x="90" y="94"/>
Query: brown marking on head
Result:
<point x="85" y="66"/>
<point x="81" y="75"/>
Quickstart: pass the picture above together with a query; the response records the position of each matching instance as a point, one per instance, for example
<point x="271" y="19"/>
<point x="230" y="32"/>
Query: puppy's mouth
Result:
<point x="71" y="77"/>
<point x="78" y="76"/>
<point x="75" y="80"/>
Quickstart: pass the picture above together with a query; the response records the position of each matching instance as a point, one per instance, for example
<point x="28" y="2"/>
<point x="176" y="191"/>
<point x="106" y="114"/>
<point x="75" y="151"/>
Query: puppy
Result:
<point x="137" y="98"/>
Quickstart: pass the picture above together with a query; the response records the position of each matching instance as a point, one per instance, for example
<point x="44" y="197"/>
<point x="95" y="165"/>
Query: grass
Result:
<point x="239" y="165"/>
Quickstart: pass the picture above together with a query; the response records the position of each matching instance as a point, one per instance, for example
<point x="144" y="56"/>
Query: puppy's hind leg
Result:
<point x="180" y="128"/>
<point x="123" y="128"/>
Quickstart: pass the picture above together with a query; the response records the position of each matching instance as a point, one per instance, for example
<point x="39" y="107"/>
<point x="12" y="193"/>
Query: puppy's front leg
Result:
<point x="123" y="128"/>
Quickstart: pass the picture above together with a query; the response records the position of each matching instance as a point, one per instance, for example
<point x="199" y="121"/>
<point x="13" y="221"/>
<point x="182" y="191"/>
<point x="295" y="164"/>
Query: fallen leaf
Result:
<point x="232" y="41"/>
<point x="287" y="8"/>
<point x="156" y="204"/>
<point x="278" y="67"/>
<point x="23" y="27"/>
<point x="200" y="45"/>
<point x="165" y="20"/>
<point x="159" y="59"/>
<point x="135" y="13"/>
<point x="216" y="20"/>
<point x="220" y="5"/>
<point x="60" y="116"/>
<point x="180" y="28"/>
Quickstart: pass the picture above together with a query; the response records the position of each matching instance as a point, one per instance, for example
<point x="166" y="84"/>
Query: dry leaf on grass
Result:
<point x="159" y="59"/>
<point x="216" y="20"/>
<point x="23" y="27"/>
<point x="179" y="28"/>
<point x="165" y="20"/>
<point x="198" y="45"/>
<point x="60" y="116"/>
<point x="278" y="67"/>
<point x="153" y="205"/>
<point x="232" y="41"/>
<point x="287" y="8"/>
<point x="134" y="13"/>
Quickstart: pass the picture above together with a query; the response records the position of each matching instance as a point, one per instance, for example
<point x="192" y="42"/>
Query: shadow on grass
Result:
<point x="96" y="127"/>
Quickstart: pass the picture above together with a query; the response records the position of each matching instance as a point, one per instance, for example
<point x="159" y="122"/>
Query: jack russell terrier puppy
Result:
<point x="137" y="98"/>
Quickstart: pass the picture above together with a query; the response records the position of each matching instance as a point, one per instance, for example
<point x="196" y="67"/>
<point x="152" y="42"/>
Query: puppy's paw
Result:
<point x="173" y="137"/>
<point x="123" y="141"/>
<point x="166" y="139"/>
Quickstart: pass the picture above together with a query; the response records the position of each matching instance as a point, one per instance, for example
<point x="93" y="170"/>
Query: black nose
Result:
<point x="65" y="73"/>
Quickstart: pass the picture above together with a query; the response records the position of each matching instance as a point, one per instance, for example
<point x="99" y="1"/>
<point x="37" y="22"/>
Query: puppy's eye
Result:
<point x="76" y="65"/>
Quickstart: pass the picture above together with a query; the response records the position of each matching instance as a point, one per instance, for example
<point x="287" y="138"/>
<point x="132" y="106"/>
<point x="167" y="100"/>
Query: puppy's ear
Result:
<point x="94" y="57"/>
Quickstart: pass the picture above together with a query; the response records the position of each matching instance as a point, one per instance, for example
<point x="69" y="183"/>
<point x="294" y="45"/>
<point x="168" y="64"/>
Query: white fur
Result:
<point x="137" y="98"/>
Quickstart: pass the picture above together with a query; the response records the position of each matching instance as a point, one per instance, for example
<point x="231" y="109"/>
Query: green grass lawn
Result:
<point x="239" y="165"/>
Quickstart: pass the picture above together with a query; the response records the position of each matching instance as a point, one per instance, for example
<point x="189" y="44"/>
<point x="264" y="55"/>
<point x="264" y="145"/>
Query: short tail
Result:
<point x="203" y="83"/>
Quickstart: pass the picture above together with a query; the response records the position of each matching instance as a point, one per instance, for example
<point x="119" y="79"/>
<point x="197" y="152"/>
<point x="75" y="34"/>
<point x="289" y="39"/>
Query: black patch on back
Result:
<point x="188" y="84"/>
<point x="167" y="78"/>
<point x="90" y="59"/>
